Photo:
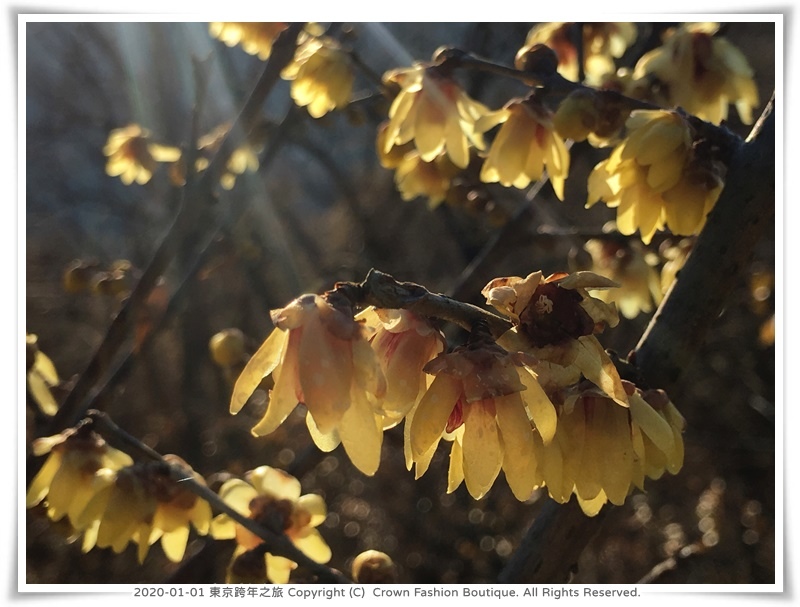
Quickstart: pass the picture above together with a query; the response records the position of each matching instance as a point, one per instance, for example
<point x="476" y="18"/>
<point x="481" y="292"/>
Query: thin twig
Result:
<point x="672" y="563"/>
<point x="278" y="543"/>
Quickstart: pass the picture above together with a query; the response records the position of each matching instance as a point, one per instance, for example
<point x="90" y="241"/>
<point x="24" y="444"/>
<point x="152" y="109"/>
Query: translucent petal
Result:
<point x="238" y="494"/>
<point x="598" y="368"/>
<point x="429" y="128"/>
<point x="262" y="363"/>
<point x="325" y="369"/>
<point x="314" y="547"/>
<point x="174" y="543"/>
<point x="41" y="482"/>
<point x="455" y="472"/>
<point x="278" y="568"/>
<point x="483" y="455"/>
<point x="591" y="507"/>
<point x="541" y="409"/>
<point x="315" y="506"/>
<point x="652" y="424"/>
<point x="432" y="413"/>
<point x="223" y="527"/>
<point x="456" y="143"/>
<point x="324" y="442"/>
<point x="276" y="483"/>
<point x="617" y="463"/>
<point x="519" y="462"/>
<point x="362" y="434"/>
<point x="283" y="398"/>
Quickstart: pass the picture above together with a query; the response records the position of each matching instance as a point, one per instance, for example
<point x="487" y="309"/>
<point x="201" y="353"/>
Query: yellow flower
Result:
<point x="657" y="177"/>
<point x="243" y="158"/>
<point x="492" y="399"/>
<point x="525" y="145"/>
<point x="555" y="320"/>
<point x="433" y="111"/>
<point x="403" y="343"/>
<point x="133" y="157"/>
<point x="319" y="356"/>
<point x="602" y="451"/>
<point x="414" y="177"/>
<point x="271" y="497"/>
<point x="625" y="263"/>
<point x="42" y="376"/>
<point x="142" y="504"/>
<point x="322" y="76"/>
<point x="66" y="481"/>
<point x="255" y="38"/>
<point x="602" y="42"/>
<point x="702" y="73"/>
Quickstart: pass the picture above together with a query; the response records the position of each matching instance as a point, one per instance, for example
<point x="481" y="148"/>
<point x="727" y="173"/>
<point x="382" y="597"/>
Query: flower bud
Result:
<point x="227" y="347"/>
<point x="539" y="58"/>
<point x="374" y="567"/>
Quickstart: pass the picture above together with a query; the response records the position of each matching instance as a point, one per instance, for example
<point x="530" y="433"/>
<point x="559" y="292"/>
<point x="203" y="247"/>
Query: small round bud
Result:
<point x="374" y="567"/>
<point x="227" y="347"/>
<point x="78" y="275"/>
<point x="576" y="116"/>
<point x="539" y="59"/>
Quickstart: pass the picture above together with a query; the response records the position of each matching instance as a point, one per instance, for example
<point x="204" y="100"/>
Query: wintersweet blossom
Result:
<point x="403" y="343"/>
<point x="702" y="73"/>
<point x="133" y="156"/>
<point x="254" y="38"/>
<point x="525" y="145"/>
<point x="434" y="112"/>
<point x="319" y="356"/>
<point x="555" y="320"/>
<point x="493" y="400"/>
<point x="601" y="451"/>
<point x="272" y="498"/>
<point x="322" y="76"/>
<point x="657" y="177"/>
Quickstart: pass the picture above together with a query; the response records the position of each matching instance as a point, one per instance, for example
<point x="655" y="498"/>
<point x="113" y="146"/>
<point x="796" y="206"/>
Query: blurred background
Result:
<point x="321" y="209"/>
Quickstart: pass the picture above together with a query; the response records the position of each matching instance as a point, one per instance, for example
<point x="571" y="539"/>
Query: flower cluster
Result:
<point x="270" y="497"/>
<point x="113" y="501"/>
<point x="658" y="177"/>
<point x="499" y="404"/>
<point x="255" y="38"/>
<point x="42" y="376"/>
<point x="702" y="73"/>
<point x="602" y="43"/>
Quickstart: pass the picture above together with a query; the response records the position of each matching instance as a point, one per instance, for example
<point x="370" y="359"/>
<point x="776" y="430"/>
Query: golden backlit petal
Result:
<point x="586" y="280"/>
<point x="483" y="455"/>
<point x="362" y="434"/>
<point x="261" y="364"/>
<point x="324" y="442"/>
<point x="432" y="413"/>
<point x="163" y="153"/>
<point x="279" y="568"/>
<point x="598" y="368"/>
<point x="491" y="119"/>
<point x="519" y="461"/>
<point x="666" y="173"/>
<point x="456" y="143"/>
<point x="315" y="506"/>
<point x="314" y="546"/>
<point x="652" y="424"/>
<point x="325" y="369"/>
<point x="617" y="463"/>
<point x="541" y="410"/>
<point x="685" y="208"/>
<point x="591" y="507"/>
<point x="90" y="537"/>
<point x="66" y="484"/>
<point x="429" y="129"/>
<point x="41" y="482"/>
<point x="281" y="485"/>
<point x="283" y="398"/>
<point x="639" y="455"/>
<point x="102" y="486"/>
<point x="223" y="527"/>
<point x="174" y="543"/>
<point x="551" y="469"/>
<point x="455" y="471"/>
<point x="588" y="483"/>
<point x="368" y="375"/>
<point x="238" y="494"/>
